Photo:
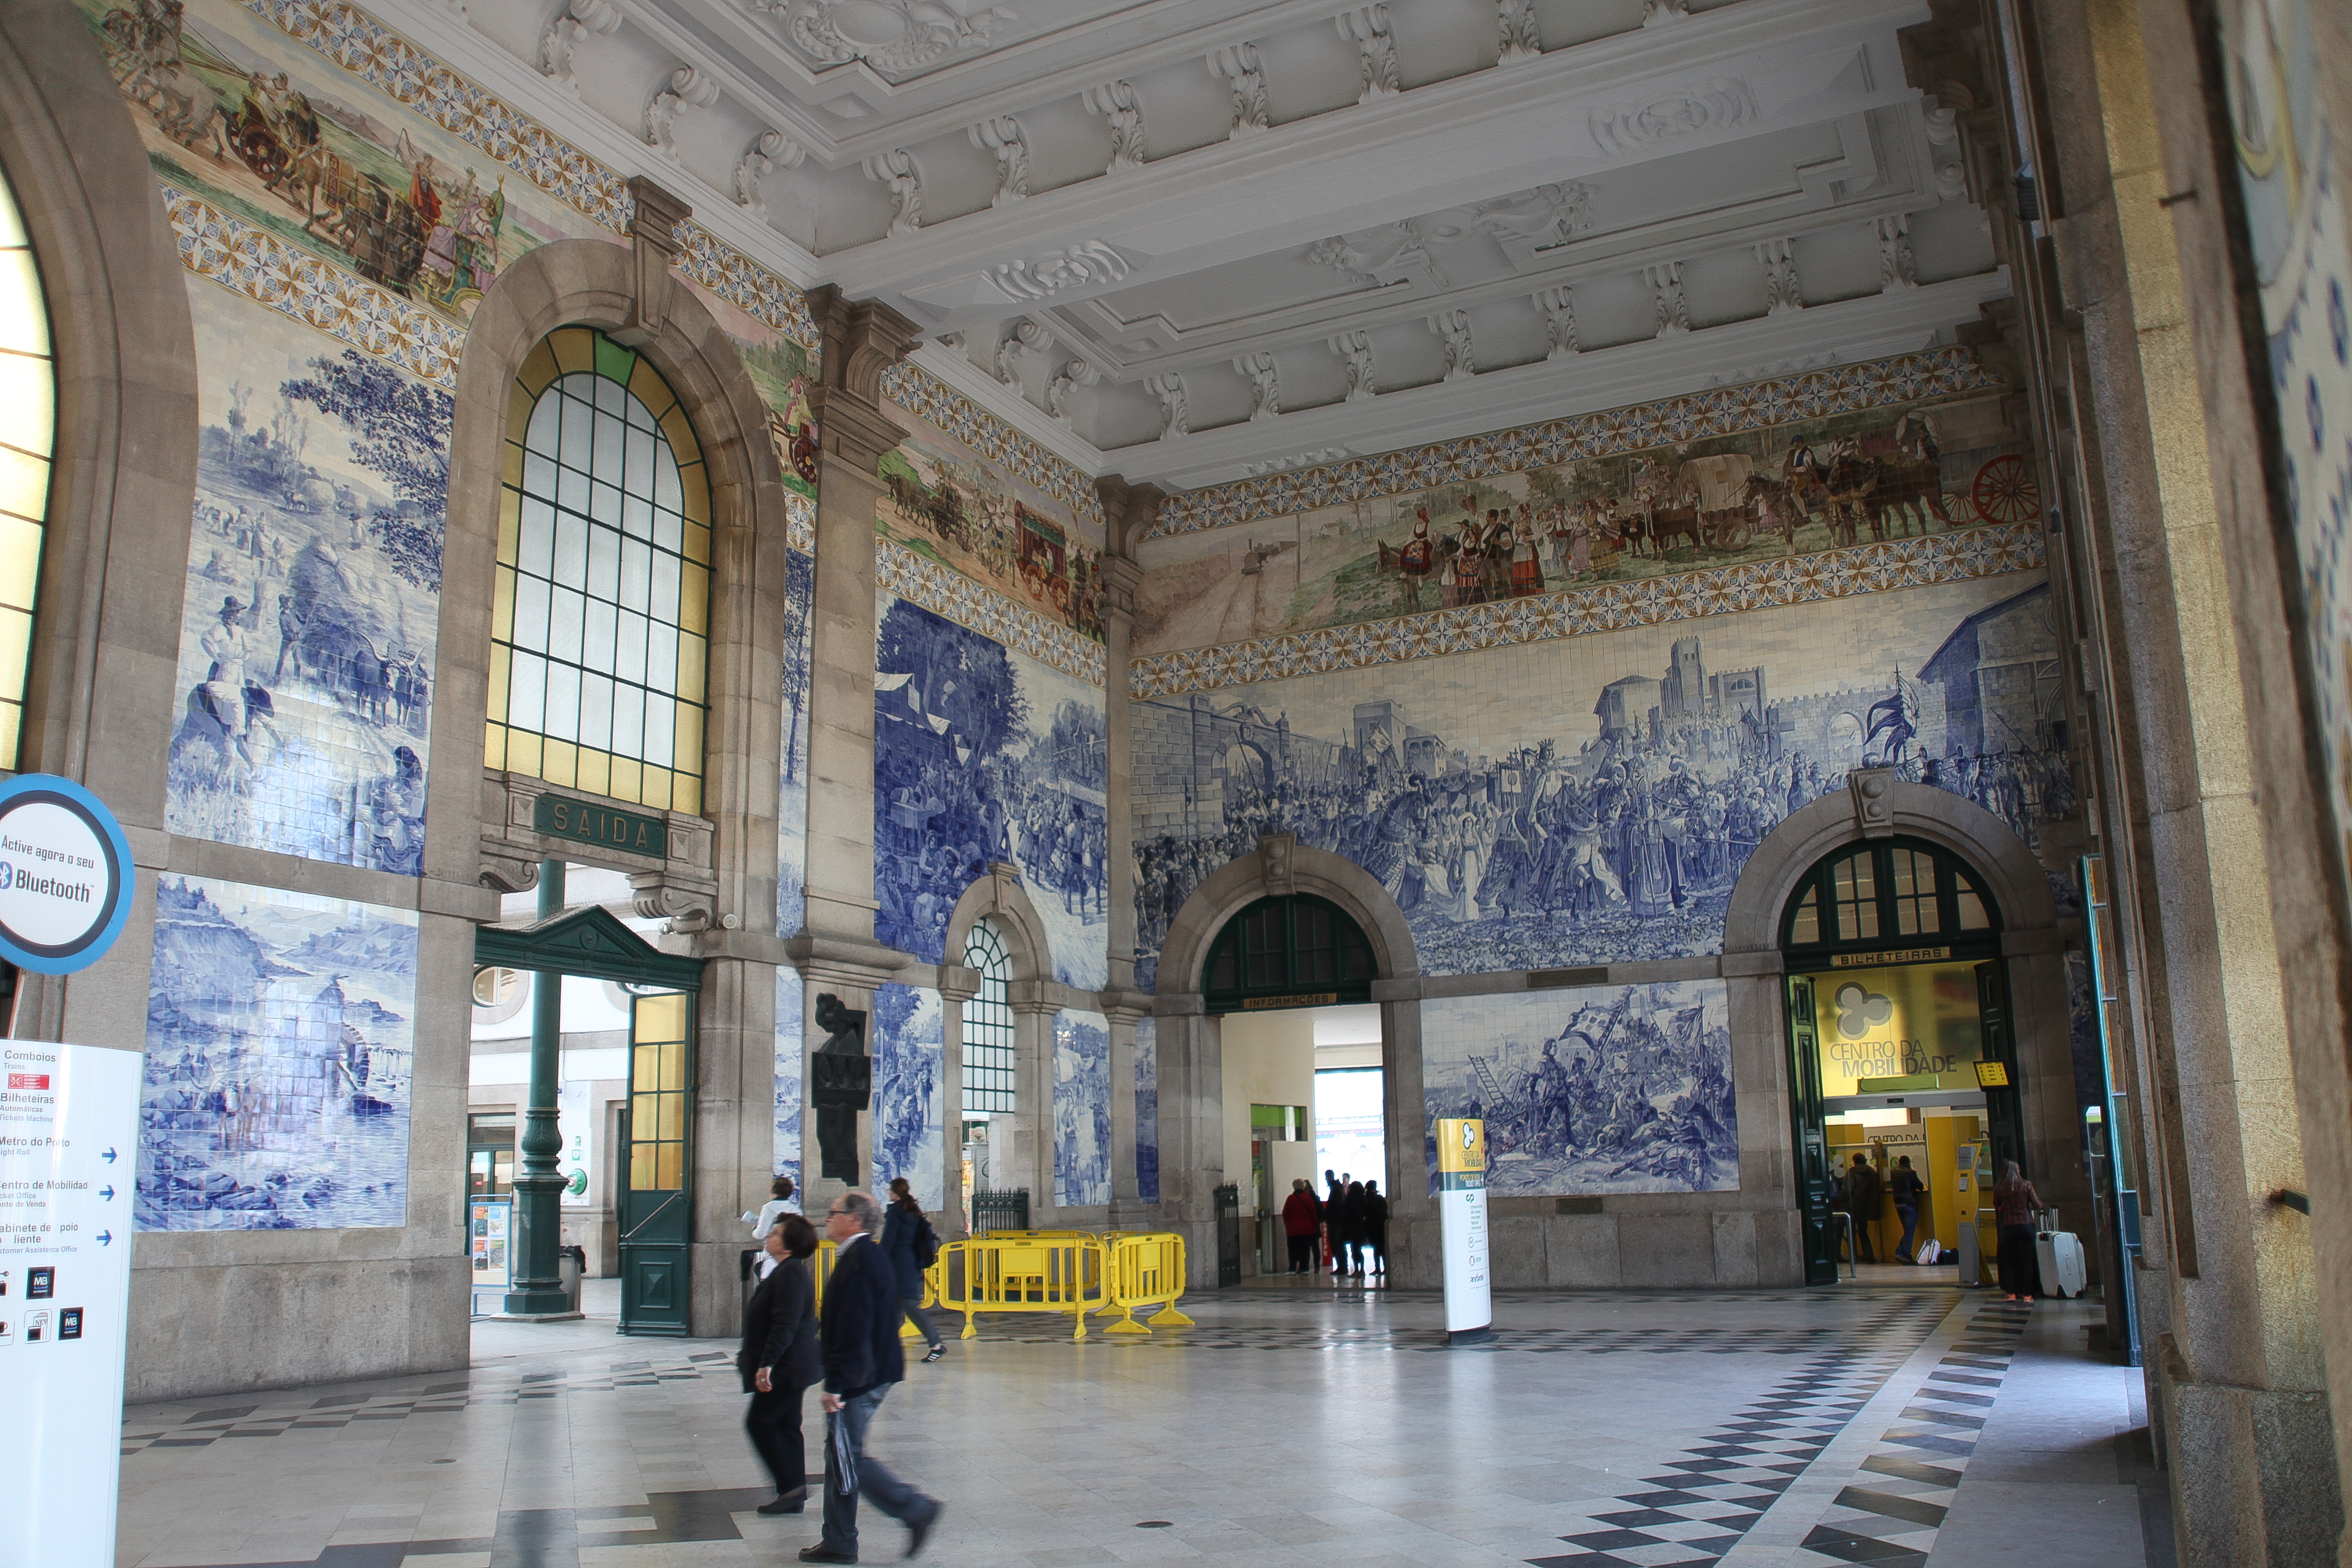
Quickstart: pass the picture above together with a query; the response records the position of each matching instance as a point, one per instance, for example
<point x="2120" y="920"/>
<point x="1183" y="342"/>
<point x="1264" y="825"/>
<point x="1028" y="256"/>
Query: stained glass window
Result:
<point x="27" y="428"/>
<point x="987" y="1050"/>
<point x="602" y="613"/>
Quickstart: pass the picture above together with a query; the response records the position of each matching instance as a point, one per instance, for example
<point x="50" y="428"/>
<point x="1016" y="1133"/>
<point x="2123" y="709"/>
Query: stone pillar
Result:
<point x="538" y="1183"/>
<point x="861" y="340"/>
<point x="1126" y="512"/>
<point x="1128" y="1209"/>
<point x="1191" y="1132"/>
<point x="1032" y="1161"/>
<point x="958" y="986"/>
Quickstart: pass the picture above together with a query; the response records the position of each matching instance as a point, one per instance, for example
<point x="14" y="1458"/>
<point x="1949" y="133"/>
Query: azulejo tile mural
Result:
<point x="1147" y="1109"/>
<point x="1610" y="1089"/>
<point x="948" y="505"/>
<point x="1814" y="394"/>
<point x="951" y="414"/>
<point x="1643" y="504"/>
<point x="947" y="593"/>
<point x="791" y="805"/>
<point x="281" y="1047"/>
<point x="1584" y="612"/>
<point x="1081" y="1107"/>
<point x="790" y="1066"/>
<point x="313" y="599"/>
<point x="1594" y="801"/>
<point x="983" y="754"/>
<point x="905" y="1036"/>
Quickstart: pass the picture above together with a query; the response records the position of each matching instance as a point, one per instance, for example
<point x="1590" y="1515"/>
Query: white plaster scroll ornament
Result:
<point x="1367" y="27"/>
<point x="1453" y="328"/>
<point x="891" y="36"/>
<point x="1265" y="384"/>
<point x="1117" y="103"/>
<point x="1002" y="136"/>
<point x="898" y="169"/>
<point x="677" y="92"/>
<point x="1238" y="65"/>
<point x="1356" y="349"/>
<point x="1717" y="105"/>
<point x="1175" y="407"/>
<point x="1559" y="308"/>
<point x="768" y="152"/>
<point x="1081" y="266"/>
<point x="573" y="23"/>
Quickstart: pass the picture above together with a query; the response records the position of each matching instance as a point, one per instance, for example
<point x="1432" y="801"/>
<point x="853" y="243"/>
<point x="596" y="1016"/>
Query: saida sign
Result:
<point x="1904" y="1021"/>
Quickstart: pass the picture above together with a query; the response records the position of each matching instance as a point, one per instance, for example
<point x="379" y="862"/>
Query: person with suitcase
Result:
<point x="2014" y="1202"/>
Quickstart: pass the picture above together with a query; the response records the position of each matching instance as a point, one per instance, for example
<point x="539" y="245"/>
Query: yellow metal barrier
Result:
<point x="822" y="1271"/>
<point x="1000" y="1273"/>
<point x="1146" y="1269"/>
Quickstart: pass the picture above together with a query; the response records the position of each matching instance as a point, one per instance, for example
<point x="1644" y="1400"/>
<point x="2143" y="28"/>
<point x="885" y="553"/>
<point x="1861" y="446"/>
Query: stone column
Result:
<point x="1033" y="1124"/>
<point x="958" y="986"/>
<point x="1191" y="1132"/>
<point x="1124" y="1009"/>
<point x="1126" y="512"/>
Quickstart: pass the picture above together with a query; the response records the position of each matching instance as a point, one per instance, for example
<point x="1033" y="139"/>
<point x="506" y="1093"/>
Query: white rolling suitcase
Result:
<point x="2061" y="1256"/>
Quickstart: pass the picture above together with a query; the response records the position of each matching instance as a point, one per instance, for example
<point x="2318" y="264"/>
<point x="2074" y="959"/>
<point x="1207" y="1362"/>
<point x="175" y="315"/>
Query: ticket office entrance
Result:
<point x="1899" y="1038"/>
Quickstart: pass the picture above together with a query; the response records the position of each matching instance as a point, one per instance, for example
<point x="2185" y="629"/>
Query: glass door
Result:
<point x="658" y="1203"/>
<point x="1814" y="1177"/>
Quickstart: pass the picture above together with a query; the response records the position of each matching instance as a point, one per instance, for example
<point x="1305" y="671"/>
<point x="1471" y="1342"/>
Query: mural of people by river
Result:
<point x="1593" y="800"/>
<point x="313" y="599"/>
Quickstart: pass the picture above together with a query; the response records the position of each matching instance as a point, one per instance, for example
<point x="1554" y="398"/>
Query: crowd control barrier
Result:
<point x="1001" y="1273"/>
<point x="821" y="1271"/>
<point x="1147" y="1270"/>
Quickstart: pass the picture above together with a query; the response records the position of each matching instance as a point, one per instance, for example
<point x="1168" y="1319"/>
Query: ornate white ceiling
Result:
<point x="1187" y="240"/>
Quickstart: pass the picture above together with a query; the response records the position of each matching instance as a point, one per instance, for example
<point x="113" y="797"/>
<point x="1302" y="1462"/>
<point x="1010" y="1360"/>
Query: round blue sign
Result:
<point x="65" y="875"/>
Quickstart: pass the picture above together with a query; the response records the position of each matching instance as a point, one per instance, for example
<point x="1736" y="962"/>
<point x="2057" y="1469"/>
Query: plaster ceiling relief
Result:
<point x="897" y="37"/>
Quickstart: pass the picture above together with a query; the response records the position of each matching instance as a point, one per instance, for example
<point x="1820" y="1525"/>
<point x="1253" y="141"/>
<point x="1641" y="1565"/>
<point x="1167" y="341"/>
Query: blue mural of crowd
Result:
<point x="905" y="1037"/>
<point x="1081" y="1107"/>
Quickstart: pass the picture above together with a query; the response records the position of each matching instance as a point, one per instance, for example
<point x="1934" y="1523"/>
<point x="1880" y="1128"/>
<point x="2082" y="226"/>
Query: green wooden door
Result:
<point x="2002" y="1117"/>
<point x="657" y="1204"/>
<point x="1814" y="1175"/>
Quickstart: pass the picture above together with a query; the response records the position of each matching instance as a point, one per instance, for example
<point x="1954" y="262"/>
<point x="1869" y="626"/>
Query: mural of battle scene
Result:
<point x="1612" y="1089"/>
<point x="1081" y="1107"/>
<point x="1593" y="800"/>
<point x="280" y="1045"/>
<point x="1147" y="1109"/>
<point x="313" y="597"/>
<point x="982" y="754"/>
<point x="1786" y="490"/>
<point x="791" y="807"/>
<point x="946" y="503"/>
<point x="790" y="1068"/>
<point x="235" y="111"/>
<point x="909" y="1127"/>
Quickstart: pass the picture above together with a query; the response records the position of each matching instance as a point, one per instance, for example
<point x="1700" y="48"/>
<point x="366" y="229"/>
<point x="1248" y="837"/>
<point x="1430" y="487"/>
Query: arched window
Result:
<point x="988" y="1054"/>
<point x="1891" y="893"/>
<point x="599" y="653"/>
<point x="1295" y="952"/>
<point x="27" y="428"/>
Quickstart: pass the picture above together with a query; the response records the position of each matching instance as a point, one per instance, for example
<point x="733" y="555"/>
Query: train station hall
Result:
<point x="1421" y="783"/>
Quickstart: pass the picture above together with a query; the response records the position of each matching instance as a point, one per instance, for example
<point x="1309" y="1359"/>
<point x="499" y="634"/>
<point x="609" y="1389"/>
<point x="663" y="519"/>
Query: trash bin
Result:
<point x="571" y="1263"/>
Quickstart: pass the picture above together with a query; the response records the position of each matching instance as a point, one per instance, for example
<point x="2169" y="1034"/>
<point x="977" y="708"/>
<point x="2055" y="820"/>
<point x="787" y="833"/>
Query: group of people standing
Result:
<point x="851" y="1348"/>
<point x="1351" y="1224"/>
<point x="1864" y="1190"/>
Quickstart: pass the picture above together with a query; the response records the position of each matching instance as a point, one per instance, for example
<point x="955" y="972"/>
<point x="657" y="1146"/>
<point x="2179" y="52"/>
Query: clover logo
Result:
<point x="1861" y="1011"/>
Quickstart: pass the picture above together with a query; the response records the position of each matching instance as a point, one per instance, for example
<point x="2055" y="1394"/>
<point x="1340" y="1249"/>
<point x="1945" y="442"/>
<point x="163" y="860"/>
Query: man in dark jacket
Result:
<point x="1862" y="1193"/>
<point x="779" y="1360"/>
<point x="862" y="1360"/>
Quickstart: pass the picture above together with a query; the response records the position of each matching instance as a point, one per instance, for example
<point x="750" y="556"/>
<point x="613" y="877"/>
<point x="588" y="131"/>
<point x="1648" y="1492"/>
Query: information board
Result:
<point x="1462" y="1226"/>
<point x="489" y="1244"/>
<point x="68" y="1143"/>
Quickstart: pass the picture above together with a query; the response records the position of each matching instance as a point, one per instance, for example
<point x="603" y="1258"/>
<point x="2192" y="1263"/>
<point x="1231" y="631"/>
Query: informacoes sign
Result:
<point x="65" y="875"/>
<point x="69" y="1145"/>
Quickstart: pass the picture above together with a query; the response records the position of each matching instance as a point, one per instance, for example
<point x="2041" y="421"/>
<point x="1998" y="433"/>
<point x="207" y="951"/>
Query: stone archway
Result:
<point x="1000" y="898"/>
<point x="1876" y="803"/>
<point x="1191" y="1062"/>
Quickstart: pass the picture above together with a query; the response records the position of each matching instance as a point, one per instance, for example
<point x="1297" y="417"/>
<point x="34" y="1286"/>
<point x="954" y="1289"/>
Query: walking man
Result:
<point x="860" y="1335"/>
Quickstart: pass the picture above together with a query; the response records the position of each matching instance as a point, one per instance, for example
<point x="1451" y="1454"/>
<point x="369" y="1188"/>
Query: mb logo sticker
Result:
<point x="1861" y="1011"/>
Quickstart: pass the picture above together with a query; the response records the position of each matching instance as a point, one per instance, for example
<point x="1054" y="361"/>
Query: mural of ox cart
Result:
<point x="1045" y="559"/>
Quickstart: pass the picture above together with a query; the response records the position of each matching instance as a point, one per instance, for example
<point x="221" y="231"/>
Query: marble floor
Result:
<point x="1295" y="1424"/>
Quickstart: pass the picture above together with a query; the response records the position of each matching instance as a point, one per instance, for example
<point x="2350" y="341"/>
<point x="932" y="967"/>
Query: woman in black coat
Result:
<point x="1372" y="1229"/>
<point x="780" y="1359"/>
<point x="903" y="1225"/>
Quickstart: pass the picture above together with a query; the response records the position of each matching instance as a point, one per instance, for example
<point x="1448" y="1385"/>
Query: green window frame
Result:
<point x="1891" y="893"/>
<point x="1294" y="946"/>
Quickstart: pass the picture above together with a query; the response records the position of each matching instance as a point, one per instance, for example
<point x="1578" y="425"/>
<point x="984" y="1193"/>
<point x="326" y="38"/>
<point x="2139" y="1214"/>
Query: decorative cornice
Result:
<point x="1970" y="553"/>
<point x="1726" y="411"/>
<point x="918" y="392"/>
<point x="358" y="43"/>
<point x="260" y="266"/>
<point x="946" y="592"/>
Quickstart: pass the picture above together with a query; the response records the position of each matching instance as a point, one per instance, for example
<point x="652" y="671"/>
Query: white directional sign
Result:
<point x="65" y="875"/>
<point x="68" y="1141"/>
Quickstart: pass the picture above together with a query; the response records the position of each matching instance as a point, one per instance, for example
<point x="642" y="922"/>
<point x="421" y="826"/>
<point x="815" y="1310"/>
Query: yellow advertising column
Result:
<point x="1462" y="1219"/>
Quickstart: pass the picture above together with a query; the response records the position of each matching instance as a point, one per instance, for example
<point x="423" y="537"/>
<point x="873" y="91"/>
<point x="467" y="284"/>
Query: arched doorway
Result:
<point x="1901" y="1051"/>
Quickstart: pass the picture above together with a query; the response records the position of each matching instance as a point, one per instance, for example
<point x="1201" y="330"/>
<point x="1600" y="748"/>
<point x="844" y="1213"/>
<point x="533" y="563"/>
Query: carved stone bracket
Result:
<point x="1874" y="801"/>
<point x="680" y="887"/>
<point x="852" y="962"/>
<point x="654" y="232"/>
<point x="958" y="983"/>
<point x="1273" y="854"/>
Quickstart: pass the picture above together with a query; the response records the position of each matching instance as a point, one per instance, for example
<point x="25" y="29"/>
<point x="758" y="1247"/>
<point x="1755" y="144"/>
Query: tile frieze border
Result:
<point x="1879" y="568"/>
<point x="1635" y="428"/>
<point x="920" y="392"/>
<point x="947" y="593"/>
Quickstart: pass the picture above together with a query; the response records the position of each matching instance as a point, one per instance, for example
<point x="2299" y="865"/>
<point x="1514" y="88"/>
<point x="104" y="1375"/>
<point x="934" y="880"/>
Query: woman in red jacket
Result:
<point x="2014" y="1202"/>
<point x="1302" y="1212"/>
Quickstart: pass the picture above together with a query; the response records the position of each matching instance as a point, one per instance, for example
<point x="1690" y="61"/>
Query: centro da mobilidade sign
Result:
<point x="65" y="875"/>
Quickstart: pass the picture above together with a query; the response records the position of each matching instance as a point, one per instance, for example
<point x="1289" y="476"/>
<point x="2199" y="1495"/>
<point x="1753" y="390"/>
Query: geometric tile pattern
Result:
<point x="258" y="264"/>
<point x="799" y="522"/>
<point x="946" y="592"/>
<point x="1914" y="1473"/>
<point x="1874" y="568"/>
<point x="921" y="394"/>
<point x="1721" y="411"/>
<point x="1690" y="1512"/>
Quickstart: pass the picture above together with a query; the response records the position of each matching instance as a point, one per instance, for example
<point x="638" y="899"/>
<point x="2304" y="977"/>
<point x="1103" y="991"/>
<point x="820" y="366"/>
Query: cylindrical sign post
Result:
<point x="1462" y="1219"/>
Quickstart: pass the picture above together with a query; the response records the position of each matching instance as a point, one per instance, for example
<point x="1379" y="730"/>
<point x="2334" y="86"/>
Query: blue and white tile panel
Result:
<point x="947" y="593"/>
